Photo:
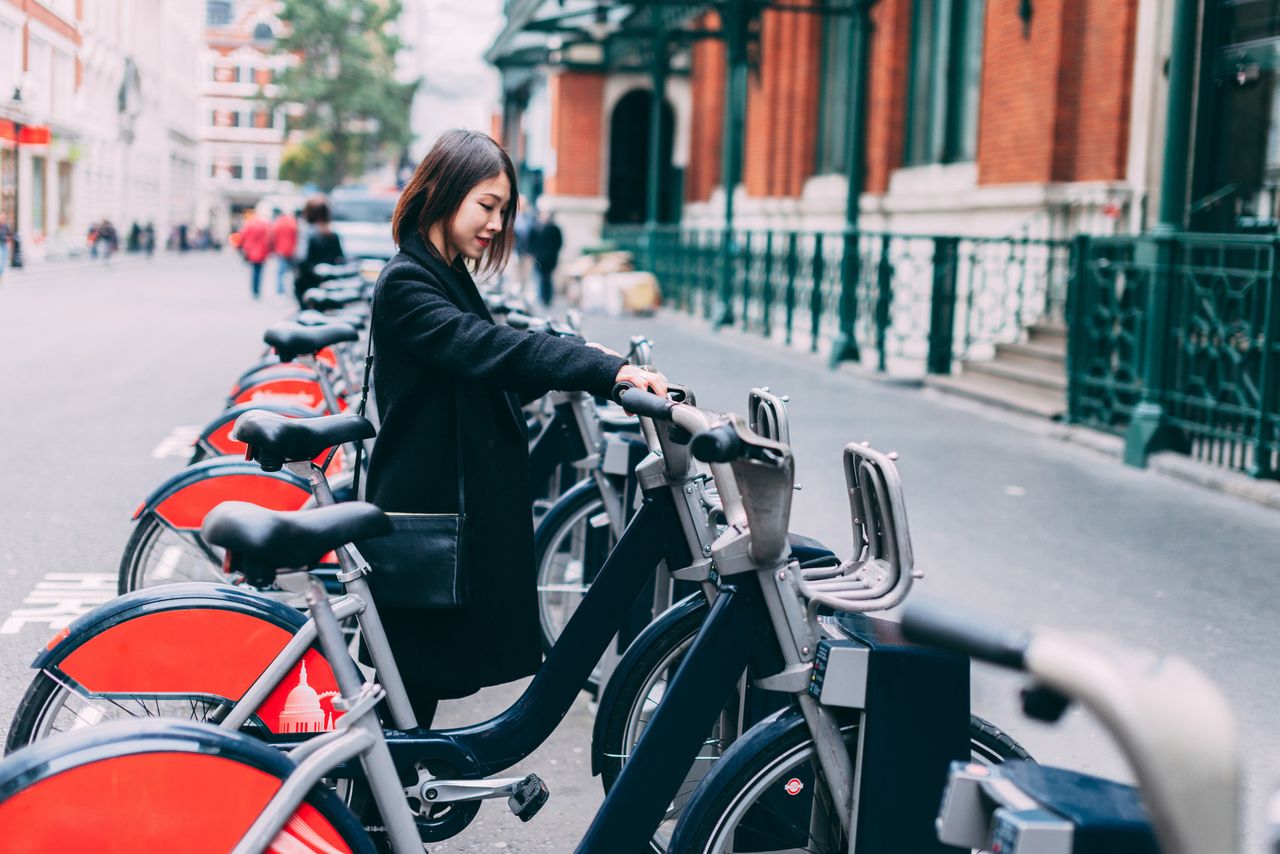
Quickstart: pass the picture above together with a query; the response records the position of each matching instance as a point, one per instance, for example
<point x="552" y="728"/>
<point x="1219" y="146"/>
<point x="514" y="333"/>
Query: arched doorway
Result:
<point x="629" y="161"/>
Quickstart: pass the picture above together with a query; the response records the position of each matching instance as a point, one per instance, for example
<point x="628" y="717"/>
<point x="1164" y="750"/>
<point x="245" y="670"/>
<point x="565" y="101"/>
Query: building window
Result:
<point x="217" y="13"/>
<point x="236" y="169"/>
<point x="833" y="105"/>
<point x="261" y="169"/>
<point x="64" y="193"/>
<point x="946" y="78"/>
<point x="226" y="74"/>
<point x="39" y="180"/>
<point x="262" y="33"/>
<point x="8" y="178"/>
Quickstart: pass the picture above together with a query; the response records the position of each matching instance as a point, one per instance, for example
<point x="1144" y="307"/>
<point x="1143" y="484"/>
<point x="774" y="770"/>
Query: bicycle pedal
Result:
<point x="529" y="796"/>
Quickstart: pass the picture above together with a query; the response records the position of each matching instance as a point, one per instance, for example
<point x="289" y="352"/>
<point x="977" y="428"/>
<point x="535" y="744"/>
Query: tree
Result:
<point x="341" y="93"/>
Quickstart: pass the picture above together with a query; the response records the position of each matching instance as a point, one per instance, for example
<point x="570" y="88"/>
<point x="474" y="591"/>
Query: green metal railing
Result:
<point x="1216" y="368"/>
<point x="919" y="300"/>
<point x="1209" y="385"/>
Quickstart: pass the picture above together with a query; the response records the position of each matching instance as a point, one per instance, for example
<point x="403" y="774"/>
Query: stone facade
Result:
<point x="111" y="85"/>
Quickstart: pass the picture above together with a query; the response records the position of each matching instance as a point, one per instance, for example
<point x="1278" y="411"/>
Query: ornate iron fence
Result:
<point x="1210" y="373"/>
<point x="918" y="300"/>
<point x="1213" y="373"/>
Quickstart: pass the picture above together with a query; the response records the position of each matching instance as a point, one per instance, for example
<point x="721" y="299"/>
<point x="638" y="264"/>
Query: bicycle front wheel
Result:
<point x="49" y="708"/>
<point x="774" y="799"/>
<point x="571" y="544"/>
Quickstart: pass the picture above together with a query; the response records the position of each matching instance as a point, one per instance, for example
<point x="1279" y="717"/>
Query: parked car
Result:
<point x="362" y="221"/>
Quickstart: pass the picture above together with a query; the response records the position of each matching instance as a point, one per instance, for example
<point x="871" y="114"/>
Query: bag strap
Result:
<point x="364" y="401"/>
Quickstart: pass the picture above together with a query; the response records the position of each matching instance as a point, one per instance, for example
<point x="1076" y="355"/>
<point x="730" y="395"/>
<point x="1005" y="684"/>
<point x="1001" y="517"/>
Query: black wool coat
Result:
<point x="440" y="362"/>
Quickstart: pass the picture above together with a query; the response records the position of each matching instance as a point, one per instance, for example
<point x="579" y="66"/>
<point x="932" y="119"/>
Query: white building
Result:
<point x="106" y="94"/>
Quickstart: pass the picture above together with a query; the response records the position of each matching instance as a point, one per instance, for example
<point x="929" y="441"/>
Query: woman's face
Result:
<point x="479" y="218"/>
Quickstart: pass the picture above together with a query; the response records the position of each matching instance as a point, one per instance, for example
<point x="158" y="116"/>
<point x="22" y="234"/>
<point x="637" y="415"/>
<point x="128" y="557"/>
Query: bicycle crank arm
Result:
<point x="525" y="795"/>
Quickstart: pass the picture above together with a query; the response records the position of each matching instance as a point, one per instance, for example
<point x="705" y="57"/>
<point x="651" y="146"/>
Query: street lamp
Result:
<point x="14" y="108"/>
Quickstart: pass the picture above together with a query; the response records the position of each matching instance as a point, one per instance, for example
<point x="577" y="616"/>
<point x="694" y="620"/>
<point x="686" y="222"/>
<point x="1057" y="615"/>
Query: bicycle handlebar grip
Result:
<point x="931" y="622"/>
<point x="641" y="402"/>
<point x="718" y="444"/>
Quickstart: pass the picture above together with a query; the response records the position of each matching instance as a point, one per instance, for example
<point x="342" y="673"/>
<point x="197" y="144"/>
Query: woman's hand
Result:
<point x="643" y="377"/>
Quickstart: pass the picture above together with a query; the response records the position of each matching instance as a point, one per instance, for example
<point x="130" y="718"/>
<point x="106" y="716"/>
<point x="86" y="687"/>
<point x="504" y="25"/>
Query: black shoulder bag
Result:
<point x="420" y="564"/>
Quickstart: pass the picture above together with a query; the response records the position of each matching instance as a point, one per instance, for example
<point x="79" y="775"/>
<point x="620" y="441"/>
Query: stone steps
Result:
<point x="1029" y="378"/>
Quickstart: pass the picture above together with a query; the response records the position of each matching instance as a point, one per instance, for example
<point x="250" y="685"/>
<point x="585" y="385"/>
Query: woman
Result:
<point x="439" y="362"/>
<point x="323" y="246"/>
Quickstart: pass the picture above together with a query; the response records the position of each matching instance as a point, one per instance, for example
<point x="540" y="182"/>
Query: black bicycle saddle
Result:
<point x="351" y="316"/>
<point x="326" y="299"/>
<point x="261" y="541"/>
<point x="274" y="440"/>
<point x="293" y="339"/>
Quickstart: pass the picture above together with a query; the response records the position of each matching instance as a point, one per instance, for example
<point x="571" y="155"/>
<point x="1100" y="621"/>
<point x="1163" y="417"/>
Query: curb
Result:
<point x="1164" y="463"/>
<point x="53" y="267"/>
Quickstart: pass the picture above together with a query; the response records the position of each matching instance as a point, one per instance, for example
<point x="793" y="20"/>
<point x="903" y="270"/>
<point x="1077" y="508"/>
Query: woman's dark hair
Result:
<point x="316" y="210"/>
<point x="458" y="161"/>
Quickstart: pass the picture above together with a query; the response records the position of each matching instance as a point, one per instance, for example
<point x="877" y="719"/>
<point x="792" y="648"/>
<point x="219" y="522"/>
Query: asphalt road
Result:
<point x="105" y="362"/>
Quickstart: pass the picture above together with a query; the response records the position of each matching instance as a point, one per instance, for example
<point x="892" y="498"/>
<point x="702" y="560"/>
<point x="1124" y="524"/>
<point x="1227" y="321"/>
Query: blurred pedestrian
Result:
<point x="6" y="238"/>
<point x="323" y="246"/>
<point x="525" y="223"/>
<point x="546" y="242"/>
<point x="255" y="246"/>
<point x="108" y="240"/>
<point x="134" y="242"/>
<point x="92" y="238"/>
<point x="284" y="244"/>
<point x="149" y="239"/>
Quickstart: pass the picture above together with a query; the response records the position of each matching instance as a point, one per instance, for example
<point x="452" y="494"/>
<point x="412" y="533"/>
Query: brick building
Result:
<point x="983" y="116"/>
<point x="103" y="92"/>
<point x="241" y="137"/>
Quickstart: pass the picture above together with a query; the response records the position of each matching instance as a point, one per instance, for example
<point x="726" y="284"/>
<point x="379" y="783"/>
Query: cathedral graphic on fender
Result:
<point x="306" y="709"/>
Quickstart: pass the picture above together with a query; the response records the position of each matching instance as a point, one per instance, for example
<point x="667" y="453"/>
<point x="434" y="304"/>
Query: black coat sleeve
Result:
<point x="413" y="306"/>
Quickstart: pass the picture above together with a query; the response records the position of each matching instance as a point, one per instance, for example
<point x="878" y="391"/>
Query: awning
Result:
<point x="585" y="33"/>
<point x="31" y="134"/>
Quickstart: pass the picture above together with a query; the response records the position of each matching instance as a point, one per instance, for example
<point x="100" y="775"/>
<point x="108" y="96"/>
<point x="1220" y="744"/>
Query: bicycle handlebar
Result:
<point x="641" y="402"/>
<point x="931" y="622"/>
<point x="718" y="444"/>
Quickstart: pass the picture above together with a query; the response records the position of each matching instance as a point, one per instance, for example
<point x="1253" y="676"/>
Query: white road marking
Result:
<point x="178" y="443"/>
<point x="59" y="598"/>
<point x="88" y="715"/>
<point x="168" y="562"/>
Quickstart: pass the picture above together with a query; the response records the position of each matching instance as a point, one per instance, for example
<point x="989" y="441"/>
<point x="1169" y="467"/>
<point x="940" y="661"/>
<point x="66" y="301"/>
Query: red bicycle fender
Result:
<point x="327" y="357"/>
<point x="280" y="369"/>
<point x="151" y="801"/>
<point x="185" y="508"/>
<point x="203" y="651"/>
<point x="299" y="391"/>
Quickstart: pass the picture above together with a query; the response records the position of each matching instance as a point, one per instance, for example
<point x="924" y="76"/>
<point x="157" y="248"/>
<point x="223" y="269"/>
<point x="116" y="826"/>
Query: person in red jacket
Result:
<point x="284" y="245"/>
<point x="255" y="246"/>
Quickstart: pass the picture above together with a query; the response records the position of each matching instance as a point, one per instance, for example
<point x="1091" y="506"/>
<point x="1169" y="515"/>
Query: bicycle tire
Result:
<point x="156" y="764"/>
<point x="747" y="786"/>
<point x="633" y="689"/>
<point x="562" y="576"/>
<point x="156" y="554"/>
<point x="45" y="698"/>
